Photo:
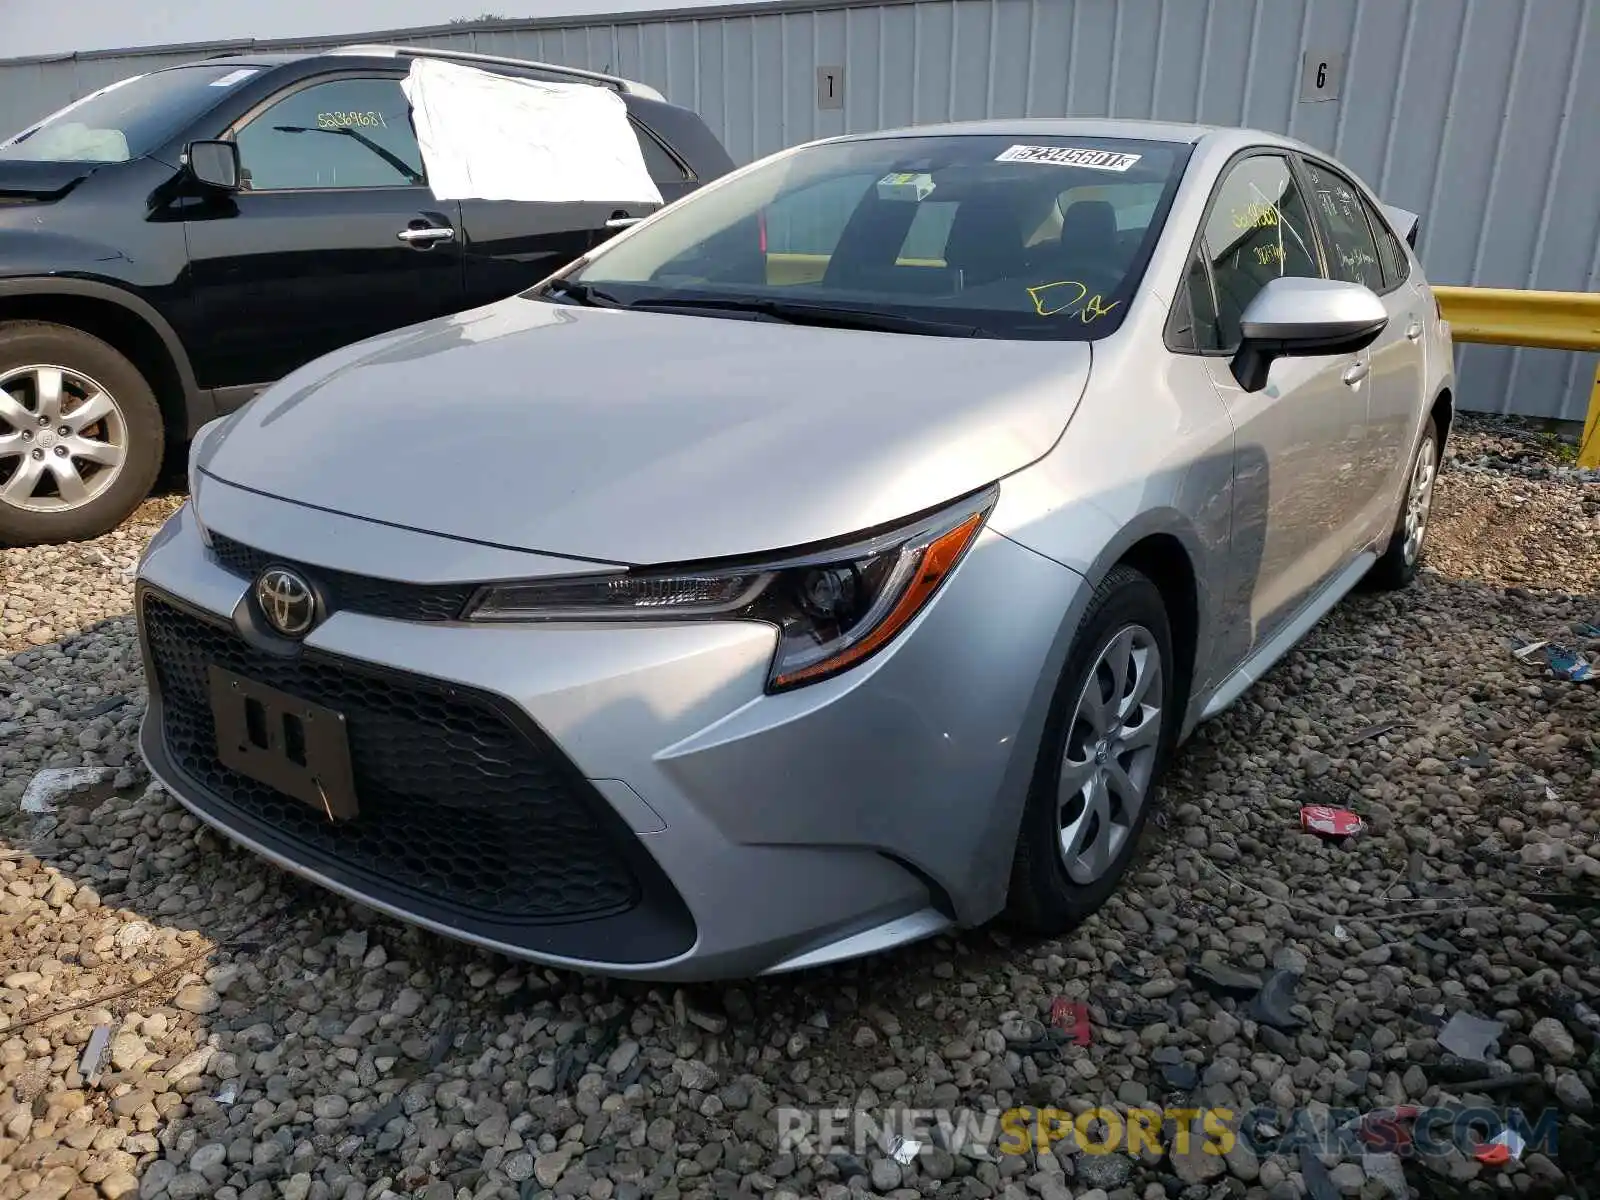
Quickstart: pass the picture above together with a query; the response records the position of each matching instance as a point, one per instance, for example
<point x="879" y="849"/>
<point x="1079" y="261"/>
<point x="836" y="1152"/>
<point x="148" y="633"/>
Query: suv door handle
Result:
<point x="622" y="222"/>
<point x="1414" y="330"/>
<point x="1355" y="373"/>
<point x="427" y="235"/>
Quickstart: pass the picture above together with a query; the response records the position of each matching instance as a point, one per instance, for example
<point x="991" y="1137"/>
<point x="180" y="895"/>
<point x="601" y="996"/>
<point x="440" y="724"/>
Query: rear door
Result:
<point x="333" y="237"/>
<point x="1356" y="254"/>
<point x="511" y="245"/>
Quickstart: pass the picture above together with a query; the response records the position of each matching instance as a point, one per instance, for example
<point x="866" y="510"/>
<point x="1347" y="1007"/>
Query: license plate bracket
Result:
<point x="296" y="747"/>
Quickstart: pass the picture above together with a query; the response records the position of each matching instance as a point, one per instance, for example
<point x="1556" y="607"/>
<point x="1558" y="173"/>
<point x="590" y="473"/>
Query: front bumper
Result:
<point x="624" y="799"/>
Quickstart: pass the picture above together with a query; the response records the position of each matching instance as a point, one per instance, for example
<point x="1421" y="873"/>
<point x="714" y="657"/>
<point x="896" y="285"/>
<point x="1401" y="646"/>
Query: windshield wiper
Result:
<point x="797" y="312"/>
<point x="394" y="160"/>
<point x="582" y="293"/>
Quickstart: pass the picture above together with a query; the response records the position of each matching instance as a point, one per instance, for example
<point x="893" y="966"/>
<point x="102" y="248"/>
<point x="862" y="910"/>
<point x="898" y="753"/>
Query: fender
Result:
<point x="198" y="405"/>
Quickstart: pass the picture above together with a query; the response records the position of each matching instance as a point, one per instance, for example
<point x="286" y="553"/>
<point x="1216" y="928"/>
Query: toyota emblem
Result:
<point x="287" y="601"/>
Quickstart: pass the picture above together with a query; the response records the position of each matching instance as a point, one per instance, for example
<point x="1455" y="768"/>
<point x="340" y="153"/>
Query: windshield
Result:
<point x="1025" y="236"/>
<point x="126" y="120"/>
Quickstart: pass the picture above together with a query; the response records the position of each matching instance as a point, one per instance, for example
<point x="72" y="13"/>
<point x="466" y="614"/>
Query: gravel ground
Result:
<point x="272" y="1041"/>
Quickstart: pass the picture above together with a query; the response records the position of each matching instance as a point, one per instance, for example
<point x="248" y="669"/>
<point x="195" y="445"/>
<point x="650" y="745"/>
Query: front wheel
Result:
<point x="1111" y="729"/>
<point x="80" y="435"/>
<point x="1403" y="556"/>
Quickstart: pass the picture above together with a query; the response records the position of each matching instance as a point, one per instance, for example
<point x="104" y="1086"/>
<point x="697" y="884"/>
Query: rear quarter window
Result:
<point x="663" y="167"/>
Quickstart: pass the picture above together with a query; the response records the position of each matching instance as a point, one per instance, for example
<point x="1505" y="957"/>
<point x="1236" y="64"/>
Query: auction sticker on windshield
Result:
<point x="1069" y="156"/>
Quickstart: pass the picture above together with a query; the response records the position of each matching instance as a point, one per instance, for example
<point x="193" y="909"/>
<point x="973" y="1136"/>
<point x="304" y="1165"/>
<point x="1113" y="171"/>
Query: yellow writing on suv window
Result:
<point x="351" y="120"/>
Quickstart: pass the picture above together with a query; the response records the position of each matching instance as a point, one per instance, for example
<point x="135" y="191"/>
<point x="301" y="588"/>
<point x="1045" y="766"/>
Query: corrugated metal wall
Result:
<point x="1483" y="115"/>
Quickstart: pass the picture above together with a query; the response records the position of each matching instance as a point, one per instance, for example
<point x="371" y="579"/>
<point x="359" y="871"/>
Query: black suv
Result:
<point x="172" y="244"/>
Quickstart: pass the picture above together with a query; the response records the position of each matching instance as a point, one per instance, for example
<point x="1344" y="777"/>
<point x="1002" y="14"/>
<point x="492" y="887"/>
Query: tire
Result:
<point x="1402" y="557"/>
<point x="1047" y="895"/>
<point x="39" y="500"/>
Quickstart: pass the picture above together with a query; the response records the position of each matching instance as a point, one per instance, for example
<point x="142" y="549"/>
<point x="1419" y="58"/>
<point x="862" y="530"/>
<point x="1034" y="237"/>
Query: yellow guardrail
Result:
<point x="1547" y="320"/>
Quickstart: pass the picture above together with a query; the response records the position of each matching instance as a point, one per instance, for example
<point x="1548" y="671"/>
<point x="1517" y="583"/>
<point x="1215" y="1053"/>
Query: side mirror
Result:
<point x="1304" y="318"/>
<point x="214" y="164"/>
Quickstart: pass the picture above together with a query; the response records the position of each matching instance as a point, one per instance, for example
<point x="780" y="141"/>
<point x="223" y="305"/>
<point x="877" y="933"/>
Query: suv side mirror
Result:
<point x="1304" y="318"/>
<point x="214" y="164"/>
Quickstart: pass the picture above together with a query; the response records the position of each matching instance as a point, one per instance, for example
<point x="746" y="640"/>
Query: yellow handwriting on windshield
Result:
<point x="1049" y="299"/>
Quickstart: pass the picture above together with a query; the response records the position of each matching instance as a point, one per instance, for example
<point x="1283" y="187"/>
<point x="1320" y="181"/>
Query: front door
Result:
<point x="1298" y="441"/>
<point x="1355" y="254"/>
<point x="511" y="245"/>
<point x="333" y="237"/>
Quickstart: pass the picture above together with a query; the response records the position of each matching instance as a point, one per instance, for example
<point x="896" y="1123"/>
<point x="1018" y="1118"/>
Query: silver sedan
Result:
<point x="834" y="558"/>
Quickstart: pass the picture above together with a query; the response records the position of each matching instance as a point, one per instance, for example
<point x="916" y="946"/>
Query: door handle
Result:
<point x="1354" y="374"/>
<point x="622" y="222"/>
<point x="427" y="235"/>
<point x="1414" y="330"/>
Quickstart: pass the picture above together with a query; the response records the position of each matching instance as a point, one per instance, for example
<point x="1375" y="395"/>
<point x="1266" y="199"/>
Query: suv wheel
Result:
<point x="1110" y="733"/>
<point x="80" y="435"/>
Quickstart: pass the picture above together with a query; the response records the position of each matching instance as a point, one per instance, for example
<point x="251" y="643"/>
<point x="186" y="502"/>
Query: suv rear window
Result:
<point x="126" y="120"/>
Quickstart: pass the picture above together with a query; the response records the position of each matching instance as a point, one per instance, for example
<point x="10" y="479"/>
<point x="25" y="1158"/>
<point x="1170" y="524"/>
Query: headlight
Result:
<point x="833" y="608"/>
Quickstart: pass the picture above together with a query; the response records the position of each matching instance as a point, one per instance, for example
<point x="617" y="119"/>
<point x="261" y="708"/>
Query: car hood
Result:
<point x="636" y="437"/>
<point x="22" y="180"/>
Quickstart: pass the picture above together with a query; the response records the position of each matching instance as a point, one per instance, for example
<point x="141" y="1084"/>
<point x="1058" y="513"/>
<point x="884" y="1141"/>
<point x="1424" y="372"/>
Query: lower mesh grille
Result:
<point x="458" y="806"/>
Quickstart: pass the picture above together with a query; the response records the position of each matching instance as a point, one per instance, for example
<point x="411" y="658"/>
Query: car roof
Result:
<point x="379" y="55"/>
<point x="1097" y="127"/>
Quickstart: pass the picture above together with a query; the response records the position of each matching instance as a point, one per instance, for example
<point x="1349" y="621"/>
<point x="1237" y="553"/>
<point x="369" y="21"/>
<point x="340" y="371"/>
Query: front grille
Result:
<point x="355" y="593"/>
<point x="457" y="805"/>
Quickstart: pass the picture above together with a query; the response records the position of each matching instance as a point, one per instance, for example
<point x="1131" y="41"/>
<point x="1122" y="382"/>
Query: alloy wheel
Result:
<point x="1110" y="759"/>
<point x="1419" y="499"/>
<point x="63" y="439"/>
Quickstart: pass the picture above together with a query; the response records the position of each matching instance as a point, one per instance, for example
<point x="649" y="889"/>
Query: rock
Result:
<point x="296" y="1187"/>
<point x="1572" y="1094"/>
<point x="156" y="1178"/>
<point x="548" y="1168"/>
<point x="127" y="1050"/>
<point x="330" y="1108"/>
<point x="197" y="999"/>
<point x="885" y="1175"/>
<point x="1105" y="1171"/>
<point x="1194" y="1159"/>
<point x="1348" y="1178"/>
<point x="1242" y="1162"/>
<point x="1551" y="1036"/>
<point x="189" y="1185"/>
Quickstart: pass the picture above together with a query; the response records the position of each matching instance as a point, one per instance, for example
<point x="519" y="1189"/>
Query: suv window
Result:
<point x="128" y="119"/>
<point x="346" y="133"/>
<point x="662" y="166"/>
<point x="1353" y="254"/>
<point x="1258" y="229"/>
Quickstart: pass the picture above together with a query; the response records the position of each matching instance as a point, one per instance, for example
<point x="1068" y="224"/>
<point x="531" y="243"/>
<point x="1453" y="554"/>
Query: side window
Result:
<point x="346" y="133"/>
<point x="1396" y="265"/>
<point x="1258" y="229"/>
<point x="1193" y="325"/>
<point x="1353" y="255"/>
<point x="662" y="166"/>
